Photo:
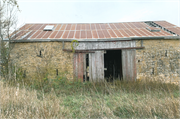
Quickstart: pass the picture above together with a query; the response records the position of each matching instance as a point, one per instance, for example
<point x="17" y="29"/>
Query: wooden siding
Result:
<point x="129" y="64"/>
<point x="96" y="66"/>
<point x="104" y="45"/>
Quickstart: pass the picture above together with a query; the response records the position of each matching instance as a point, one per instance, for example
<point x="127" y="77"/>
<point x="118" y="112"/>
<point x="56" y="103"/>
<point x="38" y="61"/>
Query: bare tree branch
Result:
<point x="8" y="21"/>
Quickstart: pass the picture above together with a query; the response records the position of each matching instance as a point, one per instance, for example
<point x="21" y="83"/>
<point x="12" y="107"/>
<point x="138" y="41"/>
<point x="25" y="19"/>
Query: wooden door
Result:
<point x="129" y="64"/>
<point x="96" y="66"/>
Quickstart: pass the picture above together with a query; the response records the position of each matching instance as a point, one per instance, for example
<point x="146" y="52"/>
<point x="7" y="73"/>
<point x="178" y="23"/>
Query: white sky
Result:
<point x="98" y="11"/>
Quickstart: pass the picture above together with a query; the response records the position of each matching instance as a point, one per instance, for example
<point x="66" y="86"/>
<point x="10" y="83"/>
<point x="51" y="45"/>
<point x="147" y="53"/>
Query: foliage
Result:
<point x="11" y="2"/>
<point x="74" y="44"/>
<point x="8" y="21"/>
<point x="4" y="57"/>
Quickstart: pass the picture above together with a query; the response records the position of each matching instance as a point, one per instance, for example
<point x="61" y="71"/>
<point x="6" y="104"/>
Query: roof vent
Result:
<point x="49" y="28"/>
<point x="153" y="29"/>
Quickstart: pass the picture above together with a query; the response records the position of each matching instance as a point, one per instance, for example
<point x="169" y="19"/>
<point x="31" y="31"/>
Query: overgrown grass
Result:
<point x="59" y="98"/>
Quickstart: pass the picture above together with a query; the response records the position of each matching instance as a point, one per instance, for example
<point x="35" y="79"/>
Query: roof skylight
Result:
<point x="49" y="28"/>
<point x="153" y="29"/>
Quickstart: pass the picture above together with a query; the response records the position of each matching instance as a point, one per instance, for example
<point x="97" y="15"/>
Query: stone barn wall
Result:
<point x="160" y="58"/>
<point x="53" y="58"/>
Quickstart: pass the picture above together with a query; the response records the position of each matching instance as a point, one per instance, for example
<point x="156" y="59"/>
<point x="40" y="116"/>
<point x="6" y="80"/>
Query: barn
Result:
<point x="98" y="51"/>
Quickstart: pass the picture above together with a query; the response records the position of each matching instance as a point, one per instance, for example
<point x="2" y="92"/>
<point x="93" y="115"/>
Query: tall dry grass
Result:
<point x="104" y="100"/>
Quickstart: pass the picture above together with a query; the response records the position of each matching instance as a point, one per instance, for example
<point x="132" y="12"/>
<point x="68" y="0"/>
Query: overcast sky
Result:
<point x="98" y="11"/>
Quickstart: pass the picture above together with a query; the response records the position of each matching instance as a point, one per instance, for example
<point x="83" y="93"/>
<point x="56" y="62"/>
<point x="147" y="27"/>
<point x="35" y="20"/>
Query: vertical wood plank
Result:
<point x="123" y="64"/>
<point x="79" y="65"/>
<point x="131" y="65"/>
<point x="134" y="68"/>
<point x="90" y="67"/>
<point x="98" y="66"/>
<point x="102" y="65"/>
<point x="85" y="74"/>
<point x="94" y="67"/>
<point x="75" y="65"/>
<point x="127" y="57"/>
<point x="130" y="72"/>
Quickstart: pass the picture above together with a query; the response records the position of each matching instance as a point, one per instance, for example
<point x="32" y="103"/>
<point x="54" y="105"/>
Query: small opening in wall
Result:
<point x="57" y="72"/>
<point x="153" y="71"/>
<point x="166" y="53"/>
<point x="138" y="60"/>
<point x="39" y="55"/>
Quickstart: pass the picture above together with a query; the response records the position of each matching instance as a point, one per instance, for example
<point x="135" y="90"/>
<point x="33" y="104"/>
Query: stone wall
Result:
<point x="160" y="58"/>
<point x="39" y="58"/>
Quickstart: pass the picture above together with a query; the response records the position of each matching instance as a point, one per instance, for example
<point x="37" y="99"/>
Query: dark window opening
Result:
<point x="113" y="65"/>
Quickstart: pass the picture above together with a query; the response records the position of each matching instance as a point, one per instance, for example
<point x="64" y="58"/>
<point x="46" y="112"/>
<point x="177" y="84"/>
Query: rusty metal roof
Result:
<point x="169" y="26"/>
<point x="93" y="31"/>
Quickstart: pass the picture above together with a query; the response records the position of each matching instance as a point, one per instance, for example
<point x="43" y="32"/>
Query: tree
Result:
<point x="8" y="10"/>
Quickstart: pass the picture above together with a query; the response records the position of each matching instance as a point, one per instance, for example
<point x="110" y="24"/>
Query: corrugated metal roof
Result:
<point x="93" y="31"/>
<point x="169" y="26"/>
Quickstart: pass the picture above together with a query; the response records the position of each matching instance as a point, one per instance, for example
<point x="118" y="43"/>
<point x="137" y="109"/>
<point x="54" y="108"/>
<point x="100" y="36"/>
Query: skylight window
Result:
<point x="49" y="28"/>
<point x="153" y="29"/>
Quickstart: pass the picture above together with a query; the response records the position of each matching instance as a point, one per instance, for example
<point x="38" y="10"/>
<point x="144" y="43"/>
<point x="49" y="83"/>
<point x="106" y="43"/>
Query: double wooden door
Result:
<point x="94" y="71"/>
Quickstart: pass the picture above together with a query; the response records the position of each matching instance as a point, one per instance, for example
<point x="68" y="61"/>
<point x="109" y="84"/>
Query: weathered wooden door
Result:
<point x="79" y="65"/>
<point x="129" y="64"/>
<point x="96" y="66"/>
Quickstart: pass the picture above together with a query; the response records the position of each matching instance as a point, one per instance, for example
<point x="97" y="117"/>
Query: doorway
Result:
<point x="113" y="65"/>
